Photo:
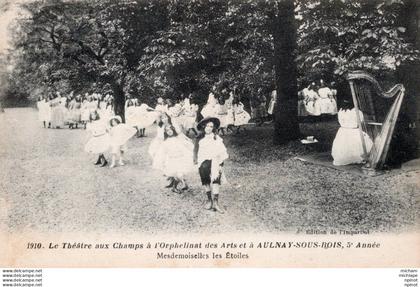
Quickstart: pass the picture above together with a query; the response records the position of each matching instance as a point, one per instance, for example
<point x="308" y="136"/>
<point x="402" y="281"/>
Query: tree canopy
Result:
<point x="171" y="47"/>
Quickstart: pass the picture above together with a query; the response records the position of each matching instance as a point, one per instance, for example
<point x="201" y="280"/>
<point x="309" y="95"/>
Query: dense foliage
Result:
<point x="168" y="48"/>
<point x="336" y="36"/>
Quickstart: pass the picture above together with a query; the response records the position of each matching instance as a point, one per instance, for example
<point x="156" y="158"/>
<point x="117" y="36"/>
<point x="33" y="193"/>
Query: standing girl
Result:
<point x="177" y="158"/>
<point x="144" y="117"/>
<point x="119" y="135"/>
<point x="99" y="143"/>
<point x="84" y="111"/>
<point x="59" y="111"/>
<point x="41" y="105"/>
<point x="210" y="157"/>
<point x="241" y="117"/>
<point x="163" y="121"/>
<point x="74" y="112"/>
<point x="272" y="105"/>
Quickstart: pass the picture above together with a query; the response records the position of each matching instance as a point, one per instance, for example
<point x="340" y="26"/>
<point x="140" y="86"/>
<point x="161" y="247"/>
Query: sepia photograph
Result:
<point x="209" y="133"/>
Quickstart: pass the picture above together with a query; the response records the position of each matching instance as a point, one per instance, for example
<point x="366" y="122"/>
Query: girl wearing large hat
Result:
<point x="211" y="154"/>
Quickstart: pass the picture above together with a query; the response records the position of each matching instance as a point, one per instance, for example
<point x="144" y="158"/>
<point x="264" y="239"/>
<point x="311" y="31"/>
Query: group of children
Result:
<point x="56" y="111"/>
<point x="316" y="100"/>
<point x="187" y="138"/>
<point x="230" y="112"/>
<point x="173" y="152"/>
<point x="108" y="135"/>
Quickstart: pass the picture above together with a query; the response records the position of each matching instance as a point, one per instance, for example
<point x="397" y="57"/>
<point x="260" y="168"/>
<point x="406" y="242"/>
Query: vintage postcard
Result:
<point x="210" y="133"/>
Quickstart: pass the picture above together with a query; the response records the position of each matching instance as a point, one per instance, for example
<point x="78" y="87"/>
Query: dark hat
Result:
<point x="202" y="124"/>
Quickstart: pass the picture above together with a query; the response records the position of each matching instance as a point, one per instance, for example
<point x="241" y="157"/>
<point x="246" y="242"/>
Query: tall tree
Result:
<point x="286" y="126"/>
<point x="96" y="43"/>
<point x="409" y="73"/>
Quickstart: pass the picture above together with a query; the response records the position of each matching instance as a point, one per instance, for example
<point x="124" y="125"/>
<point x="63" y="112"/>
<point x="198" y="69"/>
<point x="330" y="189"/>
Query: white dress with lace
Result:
<point x="347" y="146"/>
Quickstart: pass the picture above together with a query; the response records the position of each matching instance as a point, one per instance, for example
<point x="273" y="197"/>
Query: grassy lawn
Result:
<point x="49" y="183"/>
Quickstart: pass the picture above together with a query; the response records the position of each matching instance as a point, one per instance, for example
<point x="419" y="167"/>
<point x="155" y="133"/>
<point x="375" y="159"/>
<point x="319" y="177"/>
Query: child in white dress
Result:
<point x="130" y="114"/>
<point x="41" y="105"/>
<point x="84" y="112"/>
<point x="177" y="158"/>
<point x="48" y="110"/>
<point x="58" y="111"/>
<point x="99" y="142"/>
<point x="225" y="115"/>
<point x="272" y="104"/>
<point x="241" y="117"/>
<point x="347" y="146"/>
<point x="211" y="154"/>
<point x="161" y="106"/>
<point x="312" y="100"/>
<point x="209" y="108"/>
<point x="145" y="117"/>
<point x="156" y="143"/>
<point x="155" y="148"/>
<point x="326" y="100"/>
<point x="119" y="135"/>
<point x="189" y="115"/>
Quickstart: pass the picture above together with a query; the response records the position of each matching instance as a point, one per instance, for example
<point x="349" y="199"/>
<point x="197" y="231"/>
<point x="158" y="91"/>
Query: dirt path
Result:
<point x="49" y="183"/>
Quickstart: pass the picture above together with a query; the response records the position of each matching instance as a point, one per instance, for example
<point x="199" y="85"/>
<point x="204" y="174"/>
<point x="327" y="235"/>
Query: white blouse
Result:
<point x="212" y="149"/>
<point x="348" y="118"/>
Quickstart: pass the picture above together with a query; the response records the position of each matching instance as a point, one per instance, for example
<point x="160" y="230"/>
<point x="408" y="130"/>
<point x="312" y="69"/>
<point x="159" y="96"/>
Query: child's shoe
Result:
<point x="209" y="203"/>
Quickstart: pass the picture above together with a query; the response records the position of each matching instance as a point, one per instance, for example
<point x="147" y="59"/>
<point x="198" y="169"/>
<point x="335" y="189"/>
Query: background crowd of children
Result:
<point x="317" y="99"/>
<point x="56" y="111"/>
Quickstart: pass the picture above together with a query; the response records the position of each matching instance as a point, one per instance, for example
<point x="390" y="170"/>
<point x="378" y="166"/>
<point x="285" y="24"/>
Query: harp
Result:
<point x="377" y="113"/>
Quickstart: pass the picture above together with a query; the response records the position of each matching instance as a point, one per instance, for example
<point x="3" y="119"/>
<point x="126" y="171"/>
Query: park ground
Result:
<point x="48" y="183"/>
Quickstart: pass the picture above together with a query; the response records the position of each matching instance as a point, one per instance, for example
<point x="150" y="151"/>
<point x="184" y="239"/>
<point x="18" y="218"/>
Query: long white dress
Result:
<point x="156" y="144"/>
<point x="241" y="117"/>
<point x="144" y="118"/>
<point x="85" y="112"/>
<point x="74" y="112"/>
<point x="40" y="110"/>
<point x="224" y="114"/>
<point x="108" y="113"/>
<point x="119" y="136"/>
<point x="44" y="113"/>
<point x="273" y="102"/>
<point x="102" y="109"/>
<point x="100" y="140"/>
<point x="161" y="108"/>
<point x="174" y="113"/>
<point x="347" y="146"/>
<point x="131" y="116"/>
<point x="177" y="156"/>
<point x="327" y="103"/>
<point x="230" y="118"/>
<point x="189" y="116"/>
<point x="58" y="112"/>
<point x="47" y="111"/>
<point x="209" y="108"/>
<point x="311" y="102"/>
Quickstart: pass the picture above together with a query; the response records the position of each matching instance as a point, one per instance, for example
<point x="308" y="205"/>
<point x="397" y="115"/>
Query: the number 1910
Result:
<point x="32" y="245"/>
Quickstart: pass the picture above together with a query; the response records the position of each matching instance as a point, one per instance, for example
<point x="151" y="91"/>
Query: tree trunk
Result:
<point x="409" y="75"/>
<point x="286" y="125"/>
<point x="119" y="99"/>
